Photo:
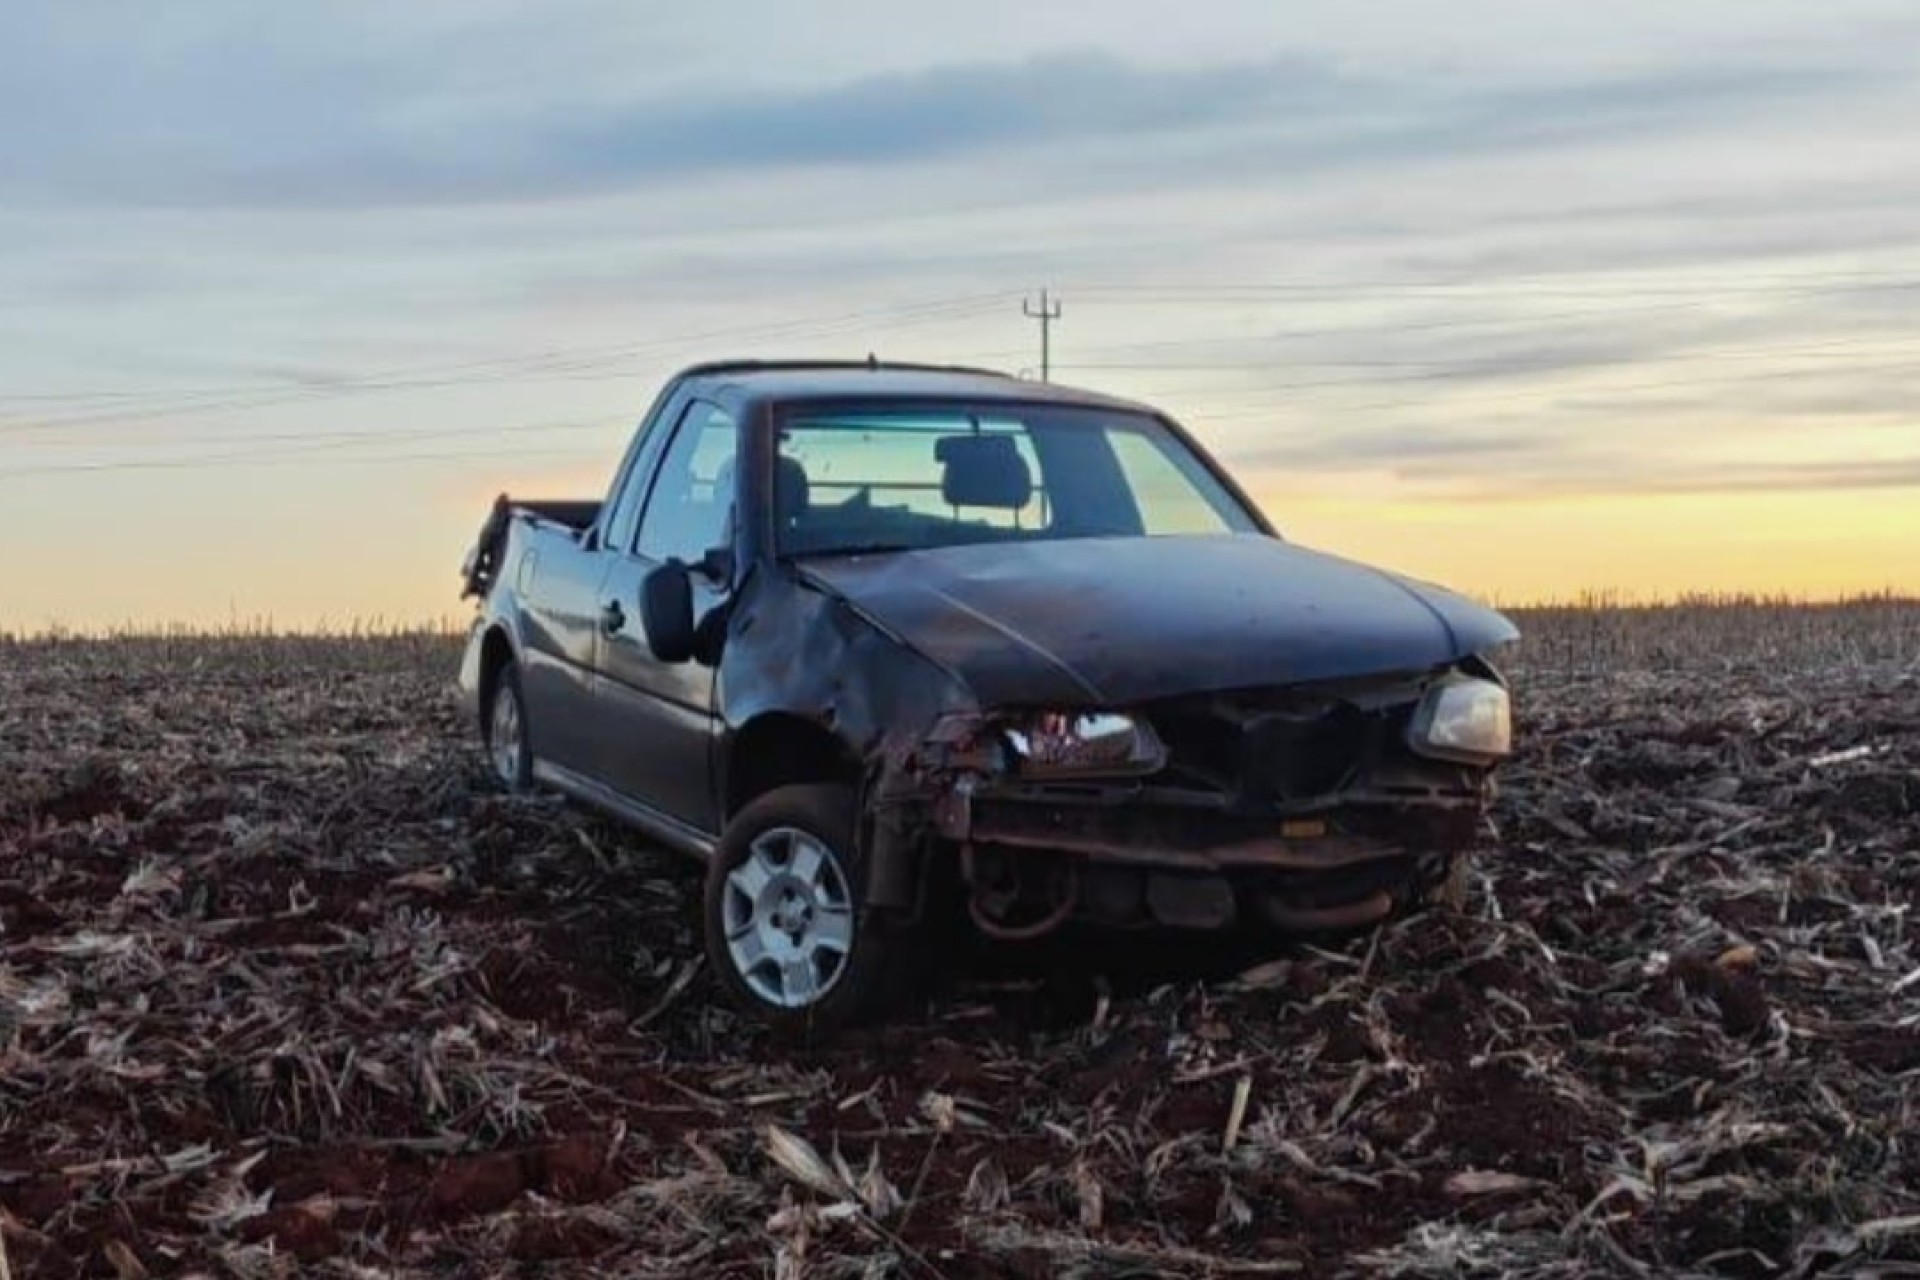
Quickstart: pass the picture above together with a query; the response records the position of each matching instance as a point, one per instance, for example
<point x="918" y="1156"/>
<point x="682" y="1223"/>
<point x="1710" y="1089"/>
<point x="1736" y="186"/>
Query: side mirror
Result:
<point x="666" y="610"/>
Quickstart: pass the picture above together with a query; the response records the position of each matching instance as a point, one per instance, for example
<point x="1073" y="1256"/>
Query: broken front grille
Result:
<point x="1279" y="747"/>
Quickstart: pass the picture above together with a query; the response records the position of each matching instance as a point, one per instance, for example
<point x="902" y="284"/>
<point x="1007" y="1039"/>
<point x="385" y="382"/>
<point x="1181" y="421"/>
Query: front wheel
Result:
<point x="786" y="933"/>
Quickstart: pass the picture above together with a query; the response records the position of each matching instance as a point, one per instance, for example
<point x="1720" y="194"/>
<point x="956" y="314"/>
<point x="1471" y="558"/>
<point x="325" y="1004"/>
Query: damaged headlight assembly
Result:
<point x="1467" y="720"/>
<point x="1081" y="744"/>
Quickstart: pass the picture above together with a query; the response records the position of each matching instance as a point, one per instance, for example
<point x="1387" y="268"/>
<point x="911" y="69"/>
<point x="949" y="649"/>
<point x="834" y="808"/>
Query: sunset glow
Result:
<point x="1545" y="303"/>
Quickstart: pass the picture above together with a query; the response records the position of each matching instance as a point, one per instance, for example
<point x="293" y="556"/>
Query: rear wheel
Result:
<point x="508" y="750"/>
<point x="786" y="933"/>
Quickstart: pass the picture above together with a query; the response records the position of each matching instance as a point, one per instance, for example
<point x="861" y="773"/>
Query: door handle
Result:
<point x="612" y="617"/>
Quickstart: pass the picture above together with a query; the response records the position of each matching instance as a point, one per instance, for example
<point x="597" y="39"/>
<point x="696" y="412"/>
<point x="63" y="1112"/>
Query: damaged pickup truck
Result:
<point x="881" y="641"/>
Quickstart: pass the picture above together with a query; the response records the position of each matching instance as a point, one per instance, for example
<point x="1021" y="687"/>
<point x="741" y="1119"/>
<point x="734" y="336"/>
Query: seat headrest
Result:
<point x="983" y="471"/>
<point x="792" y="491"/>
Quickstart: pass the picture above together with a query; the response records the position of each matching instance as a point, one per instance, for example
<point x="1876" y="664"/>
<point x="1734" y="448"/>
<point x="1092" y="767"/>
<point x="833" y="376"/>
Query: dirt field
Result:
<point x="284" y="989"/>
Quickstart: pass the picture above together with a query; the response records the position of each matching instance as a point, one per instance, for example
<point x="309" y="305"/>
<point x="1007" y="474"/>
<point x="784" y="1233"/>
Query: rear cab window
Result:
<point x="869" y="477"/>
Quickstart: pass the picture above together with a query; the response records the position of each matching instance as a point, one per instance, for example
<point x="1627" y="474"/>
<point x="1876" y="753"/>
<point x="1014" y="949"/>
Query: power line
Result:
<point x="1503" y="288"/>
<point x="263" y="458"/>
<point x="304" y="451"/>
<point x="1386" y="329"/>
<point x="301" y="448"/>
<point x="566" y="364"/>
<point x="579" y="363"/>
<point x="1495" y="364"/>
<point x="502" y="369"/>
<point x="1532" y="394"/>
<point x="1464" y="367"/>
<point x="1431" y="372"/>
<point x="329" y="439"/>
<point x="569" y="356"/>
<point x="1540" y="285"/>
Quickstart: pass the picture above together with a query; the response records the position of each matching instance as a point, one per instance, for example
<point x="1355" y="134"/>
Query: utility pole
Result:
<point x="1048" y="312"/>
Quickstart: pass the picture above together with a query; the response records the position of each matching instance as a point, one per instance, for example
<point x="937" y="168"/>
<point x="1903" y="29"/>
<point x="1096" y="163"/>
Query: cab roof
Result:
<point x="798" y="380"/>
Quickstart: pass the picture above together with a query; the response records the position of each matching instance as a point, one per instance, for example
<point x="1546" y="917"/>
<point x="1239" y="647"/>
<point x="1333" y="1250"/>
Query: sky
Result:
<point x="1528" y="297"/>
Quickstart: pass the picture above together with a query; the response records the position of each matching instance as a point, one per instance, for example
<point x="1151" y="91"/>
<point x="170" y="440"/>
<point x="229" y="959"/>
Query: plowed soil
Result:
<point x="287" y="989"/>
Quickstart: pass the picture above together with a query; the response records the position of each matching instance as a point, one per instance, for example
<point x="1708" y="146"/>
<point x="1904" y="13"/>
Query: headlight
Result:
<point x="1467" y="720"/>
<point x="1081" y="742"/>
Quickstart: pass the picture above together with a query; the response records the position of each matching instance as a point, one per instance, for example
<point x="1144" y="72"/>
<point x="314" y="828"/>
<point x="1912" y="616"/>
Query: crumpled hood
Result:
<point x="1119" y="621"/>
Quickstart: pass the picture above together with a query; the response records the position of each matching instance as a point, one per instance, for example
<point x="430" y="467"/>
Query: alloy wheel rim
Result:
<point x="503" y="736"/>
<point x="788" y="918"/>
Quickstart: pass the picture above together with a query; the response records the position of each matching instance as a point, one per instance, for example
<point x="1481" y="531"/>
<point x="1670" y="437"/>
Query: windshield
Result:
<point x="867" y="478"/>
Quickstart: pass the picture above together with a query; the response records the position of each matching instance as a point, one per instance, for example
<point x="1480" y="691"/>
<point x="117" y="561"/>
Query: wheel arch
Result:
<point x="496" y="653"/>
<point x="777" y="749"/>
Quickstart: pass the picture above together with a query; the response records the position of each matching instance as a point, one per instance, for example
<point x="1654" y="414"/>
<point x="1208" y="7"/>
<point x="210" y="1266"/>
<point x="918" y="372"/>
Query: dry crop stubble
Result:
<point x="286" y="989"/>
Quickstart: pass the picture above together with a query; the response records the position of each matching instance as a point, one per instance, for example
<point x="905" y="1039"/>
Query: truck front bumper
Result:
<point x="1031" y="862"/>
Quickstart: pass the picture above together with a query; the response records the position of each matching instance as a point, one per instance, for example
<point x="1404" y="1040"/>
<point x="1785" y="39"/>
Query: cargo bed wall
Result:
<point x="484" y="558"/>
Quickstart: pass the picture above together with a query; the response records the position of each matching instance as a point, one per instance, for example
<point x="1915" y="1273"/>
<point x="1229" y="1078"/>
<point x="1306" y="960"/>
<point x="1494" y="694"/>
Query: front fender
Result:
<point x="800" y="654"/>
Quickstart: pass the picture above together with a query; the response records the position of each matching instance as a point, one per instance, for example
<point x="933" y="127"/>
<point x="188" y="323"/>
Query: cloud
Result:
<point x="1722" y="428"/>
<point x="255" y="118"/>
<point x="216" y="196"/>
<point x="1514" y="466"/>
<point x="1337" y="451"/>
<point x="947" y="110"/>
<point x="1713" y="477"/>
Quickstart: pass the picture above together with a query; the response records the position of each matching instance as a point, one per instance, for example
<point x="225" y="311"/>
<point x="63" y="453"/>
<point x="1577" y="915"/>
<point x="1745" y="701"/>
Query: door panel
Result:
<point x="659" y="716"/>
<point x="656" y="733"/>
<point x="558" y="600"/>
<point x="559" y="597"/>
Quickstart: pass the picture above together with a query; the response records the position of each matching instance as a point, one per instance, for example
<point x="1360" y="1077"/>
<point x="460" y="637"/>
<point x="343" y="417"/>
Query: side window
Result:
<point x="1164" y="487"/>
<point x="690" y="509"/>
<point x="633" y="485"/>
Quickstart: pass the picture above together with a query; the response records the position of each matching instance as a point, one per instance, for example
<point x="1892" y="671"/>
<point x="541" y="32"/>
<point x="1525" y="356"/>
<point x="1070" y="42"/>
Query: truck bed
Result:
<point x="573" y="515"/>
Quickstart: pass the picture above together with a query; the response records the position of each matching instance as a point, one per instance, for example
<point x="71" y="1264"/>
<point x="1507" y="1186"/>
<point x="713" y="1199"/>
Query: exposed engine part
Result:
<point x="999" y="886"/>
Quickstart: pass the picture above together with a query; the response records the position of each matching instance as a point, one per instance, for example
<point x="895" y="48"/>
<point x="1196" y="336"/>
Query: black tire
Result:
<point x="515" y="777"/>
<point x="794" y="914"/>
